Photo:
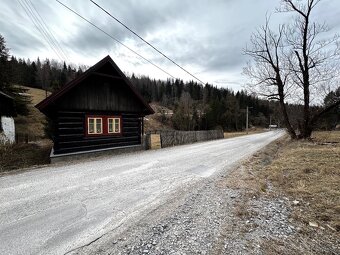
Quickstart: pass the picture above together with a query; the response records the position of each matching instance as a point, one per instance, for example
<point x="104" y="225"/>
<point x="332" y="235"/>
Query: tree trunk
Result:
<point x="306" y="131"/>
<point x="286" y="121"/>
<point x="304" y="66"/>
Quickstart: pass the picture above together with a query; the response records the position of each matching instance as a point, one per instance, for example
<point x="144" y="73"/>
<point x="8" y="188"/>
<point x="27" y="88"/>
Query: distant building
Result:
<point x="7" y="112"/>
<point x="99" y="110"/>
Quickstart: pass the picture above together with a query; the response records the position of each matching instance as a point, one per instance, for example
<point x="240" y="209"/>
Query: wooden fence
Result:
<point x="170" y="138"/>
<point x="25" y="138"/>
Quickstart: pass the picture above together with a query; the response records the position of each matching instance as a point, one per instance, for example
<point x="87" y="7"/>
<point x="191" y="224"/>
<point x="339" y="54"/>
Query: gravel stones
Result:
<point x="201" y="220"/>
<point x="209" y="217"/>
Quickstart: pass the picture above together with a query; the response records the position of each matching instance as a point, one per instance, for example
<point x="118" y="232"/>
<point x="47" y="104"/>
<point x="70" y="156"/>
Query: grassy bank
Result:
<point x="236" y="134"/>
<point x="32" y="125"/>
<point x="306" y="174"/>
<point x="23" y="155"/>
<point x="33" y="147"/>
<point x="309" y="172"/>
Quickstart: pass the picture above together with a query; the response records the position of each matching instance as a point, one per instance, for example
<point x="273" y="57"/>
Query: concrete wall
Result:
<point x="7" y="135"/>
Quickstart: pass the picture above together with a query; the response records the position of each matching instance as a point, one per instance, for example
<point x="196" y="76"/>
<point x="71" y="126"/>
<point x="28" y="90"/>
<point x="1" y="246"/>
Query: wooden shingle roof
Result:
<point x="44" y="105"/>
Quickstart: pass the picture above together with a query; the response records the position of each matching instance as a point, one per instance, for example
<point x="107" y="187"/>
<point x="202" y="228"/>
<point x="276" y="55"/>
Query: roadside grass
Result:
<point x="236" y="134"/>
<point x="23" y="155"/>
<point x="326" y="136"/>
<point x="309" y="172"/>
<point x="305" y="172"/>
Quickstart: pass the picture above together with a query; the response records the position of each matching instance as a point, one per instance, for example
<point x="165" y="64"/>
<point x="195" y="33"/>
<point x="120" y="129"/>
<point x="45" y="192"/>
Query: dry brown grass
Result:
<point x="326" y="136"/>
<point x="306" y="171"/>
<point x="27" y="155"/>
<point x="33" y="124"/>
<point x="236" y="134"/>
<point x="153" y="122"/>
<point x="310" y="173"/>
<point x="24" y="155"/>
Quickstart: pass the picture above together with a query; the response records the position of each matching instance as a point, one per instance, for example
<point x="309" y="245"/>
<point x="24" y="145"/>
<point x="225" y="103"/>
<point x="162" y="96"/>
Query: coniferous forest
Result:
<point x="194" y="106"/>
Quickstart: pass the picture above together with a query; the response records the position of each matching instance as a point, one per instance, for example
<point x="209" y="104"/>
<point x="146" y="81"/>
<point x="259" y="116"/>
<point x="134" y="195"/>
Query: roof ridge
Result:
<point x="59" y="93"/>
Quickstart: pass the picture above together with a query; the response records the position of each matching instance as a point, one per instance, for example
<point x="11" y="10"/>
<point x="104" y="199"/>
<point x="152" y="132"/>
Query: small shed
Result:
<point x="7" y="112"/>
<point x="99" y="110"/>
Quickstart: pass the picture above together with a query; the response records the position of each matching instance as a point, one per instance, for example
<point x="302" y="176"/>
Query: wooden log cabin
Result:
<point x="97" y="111"/>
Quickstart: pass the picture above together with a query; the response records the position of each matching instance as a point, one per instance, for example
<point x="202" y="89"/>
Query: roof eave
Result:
<point x="43" y="105"/>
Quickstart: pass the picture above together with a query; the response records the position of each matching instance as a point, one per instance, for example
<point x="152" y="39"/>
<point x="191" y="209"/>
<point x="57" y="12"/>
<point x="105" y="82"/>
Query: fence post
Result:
<point x="147" y="141"/>
<point x="161" y="137"/>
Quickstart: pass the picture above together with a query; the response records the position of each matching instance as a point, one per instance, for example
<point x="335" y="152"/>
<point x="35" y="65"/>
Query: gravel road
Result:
<point x="82" y="207"/>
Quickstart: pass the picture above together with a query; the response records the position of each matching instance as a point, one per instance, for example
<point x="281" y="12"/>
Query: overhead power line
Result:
<point x="42" y="29"/>
<point x="49" y="31"/>
<point x="37" y="26"/>
<point x="168" y="58"/>
<point x="116" y="40"/>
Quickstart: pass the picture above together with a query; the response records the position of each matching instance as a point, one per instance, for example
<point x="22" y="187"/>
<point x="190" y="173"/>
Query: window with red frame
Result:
<point x="103" y="125"/>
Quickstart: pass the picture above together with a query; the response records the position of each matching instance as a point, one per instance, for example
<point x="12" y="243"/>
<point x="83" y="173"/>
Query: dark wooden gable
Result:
<point x="103" y="87"/>
<point x="98" y="93"/>
<point x="108" y="69"/>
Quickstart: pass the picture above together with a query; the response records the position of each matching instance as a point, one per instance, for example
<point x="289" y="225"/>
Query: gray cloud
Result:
<point x="207" y="37"/>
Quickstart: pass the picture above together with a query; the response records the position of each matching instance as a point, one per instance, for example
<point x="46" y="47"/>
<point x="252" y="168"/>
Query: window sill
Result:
<point x="102" y="135"/>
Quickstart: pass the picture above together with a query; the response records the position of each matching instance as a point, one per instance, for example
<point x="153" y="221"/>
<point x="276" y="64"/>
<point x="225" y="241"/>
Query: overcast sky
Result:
<point x="205" y="37"/>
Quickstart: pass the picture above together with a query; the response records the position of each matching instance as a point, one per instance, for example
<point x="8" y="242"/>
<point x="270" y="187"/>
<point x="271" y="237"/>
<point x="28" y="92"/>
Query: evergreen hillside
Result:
<point x="194" y="106"/>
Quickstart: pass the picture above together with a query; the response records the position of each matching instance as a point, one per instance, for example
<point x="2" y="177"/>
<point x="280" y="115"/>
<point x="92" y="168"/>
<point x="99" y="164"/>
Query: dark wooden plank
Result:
<point x="112" y="96"/>
<point x="94" y="147"/>
<point x="113" y="77"/>
<point x="85" y="143"/>
<point x="103" y="140"/>
<point x="70" y="132"/>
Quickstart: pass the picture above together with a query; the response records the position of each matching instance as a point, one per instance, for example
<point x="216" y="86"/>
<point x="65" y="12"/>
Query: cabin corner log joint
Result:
<point x="98" y="110"/>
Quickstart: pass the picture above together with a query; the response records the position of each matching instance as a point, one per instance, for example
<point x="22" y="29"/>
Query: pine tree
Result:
<point x="4" y="67"/>
<point x="6" y="86"/>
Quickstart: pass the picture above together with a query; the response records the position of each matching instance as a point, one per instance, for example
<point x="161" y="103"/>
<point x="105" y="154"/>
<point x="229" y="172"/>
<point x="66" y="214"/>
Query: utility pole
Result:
<point x="247" y="118"/>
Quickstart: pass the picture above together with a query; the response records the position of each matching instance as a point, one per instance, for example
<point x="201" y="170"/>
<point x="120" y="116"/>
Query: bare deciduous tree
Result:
<point x="295" y="63"/>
